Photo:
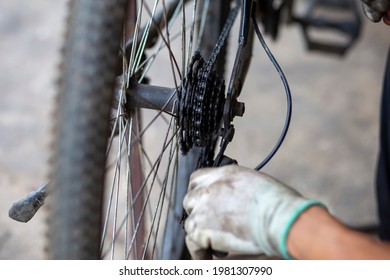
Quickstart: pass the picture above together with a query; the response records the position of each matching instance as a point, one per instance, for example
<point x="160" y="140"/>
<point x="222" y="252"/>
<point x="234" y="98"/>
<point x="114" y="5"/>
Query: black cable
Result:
<point x="288" y="96"/>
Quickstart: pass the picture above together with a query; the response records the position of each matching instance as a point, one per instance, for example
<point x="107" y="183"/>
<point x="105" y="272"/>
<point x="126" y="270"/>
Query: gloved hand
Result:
<point x="236" y="209"/>
<point x="375" y="10"/>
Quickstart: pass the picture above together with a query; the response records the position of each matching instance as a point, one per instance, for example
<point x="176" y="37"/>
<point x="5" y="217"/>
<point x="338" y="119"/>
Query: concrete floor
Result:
<point x="329" y="153"/>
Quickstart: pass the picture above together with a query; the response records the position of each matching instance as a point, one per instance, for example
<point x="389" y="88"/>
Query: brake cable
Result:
<point x="235" y="87"/>
<point x="287" y="91"/>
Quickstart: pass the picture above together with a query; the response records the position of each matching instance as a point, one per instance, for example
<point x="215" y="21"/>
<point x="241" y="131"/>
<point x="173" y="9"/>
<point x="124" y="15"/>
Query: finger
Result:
<point x="201" y="172"/>
<point x="204" y="177"/>
<point x="188" y="204"/>
<point x="219" y="254"/>
<point x="197" y="197"/>
<point x="208" y="182"/>
<point x="196" y="251"/>
<point x="371" y="14"/>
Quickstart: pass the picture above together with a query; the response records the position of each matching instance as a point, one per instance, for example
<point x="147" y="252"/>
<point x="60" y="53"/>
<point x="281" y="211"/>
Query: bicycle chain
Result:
<point x="202" y="98"/>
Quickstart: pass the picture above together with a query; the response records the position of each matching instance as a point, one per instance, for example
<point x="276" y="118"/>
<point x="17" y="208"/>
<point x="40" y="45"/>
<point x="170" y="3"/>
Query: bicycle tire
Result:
<point x="79" y="163"/>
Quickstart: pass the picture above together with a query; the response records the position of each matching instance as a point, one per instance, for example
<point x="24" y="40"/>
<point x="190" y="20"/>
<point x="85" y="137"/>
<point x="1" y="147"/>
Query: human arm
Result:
<point x="318" y="235"/>
<point x="235" y="209"/>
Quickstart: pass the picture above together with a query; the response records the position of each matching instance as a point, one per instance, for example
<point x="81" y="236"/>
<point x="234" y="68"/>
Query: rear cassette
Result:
<point x="201" y="103"/>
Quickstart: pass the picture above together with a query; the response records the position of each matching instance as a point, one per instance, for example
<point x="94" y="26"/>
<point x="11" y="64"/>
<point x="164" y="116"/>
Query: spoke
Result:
<point x="172" y="194"/>
<point x="162" y="194"/>
<point x="135" y="141"/>
<point x="114" y="183"/>
<point x="150" y="164"/>
<point x="183" y="39"/>
<point x="163" y="43"/>
<point x="118" y="174"/>
<point x="129" y="194"/>
<point x="149" y="161"/>
<point x="174" y="64"/>
<point x="203" y="17"/>
<point x="158" y="116"/>
<point x="118" y="115"/>
<point x="172" y="58"/>
<point x="156" y="165"/>
<point x="135" y="38"/>
<point x="190" y="44"/>
<point x="141" y="49"/>
<point x="137" y="195"/>
<point x="149" y="61"/>
<point x="172" y="153"/>
<point x="150" y="195"/>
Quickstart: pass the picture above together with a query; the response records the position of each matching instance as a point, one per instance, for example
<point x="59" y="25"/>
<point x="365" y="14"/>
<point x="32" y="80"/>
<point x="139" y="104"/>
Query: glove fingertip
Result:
<point x="196" y="252"/>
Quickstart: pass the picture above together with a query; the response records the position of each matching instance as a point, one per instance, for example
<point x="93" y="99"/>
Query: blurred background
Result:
<point x="329" y="153"/>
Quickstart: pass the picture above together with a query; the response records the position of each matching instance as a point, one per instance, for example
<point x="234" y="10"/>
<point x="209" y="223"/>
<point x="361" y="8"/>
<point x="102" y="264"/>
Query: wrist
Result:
<point x="287" y="248"/>
<point x="302" y="237"/>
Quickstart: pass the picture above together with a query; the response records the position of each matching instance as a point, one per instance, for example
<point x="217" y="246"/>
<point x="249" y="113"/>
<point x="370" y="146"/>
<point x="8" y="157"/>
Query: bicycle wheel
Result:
<point x="117" y="176"/>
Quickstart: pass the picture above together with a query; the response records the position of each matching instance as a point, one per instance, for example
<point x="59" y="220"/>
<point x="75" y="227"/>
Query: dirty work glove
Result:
<point x="375" y="10"/>
<point x="236" y="209"/>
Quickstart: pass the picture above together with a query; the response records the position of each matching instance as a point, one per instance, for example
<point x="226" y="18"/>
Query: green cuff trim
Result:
<point x="302" y="208"/>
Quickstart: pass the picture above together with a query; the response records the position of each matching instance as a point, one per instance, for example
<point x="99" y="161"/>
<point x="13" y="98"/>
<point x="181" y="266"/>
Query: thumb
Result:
<point x="197" y="252"/>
